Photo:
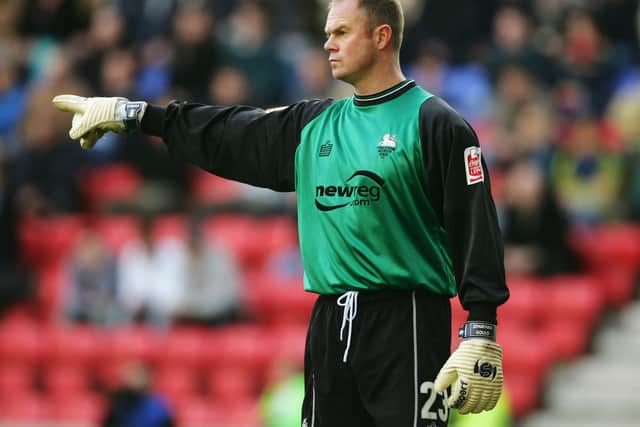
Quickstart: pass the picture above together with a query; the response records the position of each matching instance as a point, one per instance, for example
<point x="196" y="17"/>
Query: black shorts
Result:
<point x="399" y="341"/>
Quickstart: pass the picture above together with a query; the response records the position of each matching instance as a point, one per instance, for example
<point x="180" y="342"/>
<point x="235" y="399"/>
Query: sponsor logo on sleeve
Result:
<point x="473" y="165"/>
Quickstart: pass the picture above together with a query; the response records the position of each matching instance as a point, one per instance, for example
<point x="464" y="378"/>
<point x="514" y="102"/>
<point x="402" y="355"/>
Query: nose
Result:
<point x="330" y="45"/>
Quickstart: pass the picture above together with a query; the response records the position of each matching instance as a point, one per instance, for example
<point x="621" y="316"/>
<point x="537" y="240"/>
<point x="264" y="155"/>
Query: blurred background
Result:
<point x="139" y="291"/>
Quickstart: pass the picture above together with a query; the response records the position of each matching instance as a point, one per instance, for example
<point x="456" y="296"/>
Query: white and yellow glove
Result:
<point x="474" y="369"/>
<point x="93" y="117"/>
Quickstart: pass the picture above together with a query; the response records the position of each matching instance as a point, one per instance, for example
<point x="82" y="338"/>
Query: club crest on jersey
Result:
<point x="387" y="145"/>
<point x="473" y="165"/>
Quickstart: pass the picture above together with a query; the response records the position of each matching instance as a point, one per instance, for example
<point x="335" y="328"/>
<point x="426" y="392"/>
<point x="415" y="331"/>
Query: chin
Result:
<point x="342" y="76"/>
<point x="337" y="74"/>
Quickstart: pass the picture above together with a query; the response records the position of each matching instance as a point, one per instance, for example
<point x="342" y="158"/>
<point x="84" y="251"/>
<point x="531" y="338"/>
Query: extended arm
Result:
<point x="246" y="144"/>
<point x="241" y="143"/>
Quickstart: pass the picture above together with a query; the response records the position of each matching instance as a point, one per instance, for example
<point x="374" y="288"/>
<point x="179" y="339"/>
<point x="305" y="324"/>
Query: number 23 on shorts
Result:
<point x="434" y="409"/>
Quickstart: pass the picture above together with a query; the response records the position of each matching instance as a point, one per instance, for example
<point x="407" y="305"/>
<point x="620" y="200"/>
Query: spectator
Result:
<point x="58" y="18"/>
<point x="211" y="292"/>
<point x="588" y="58"/>
<point x="106" y="32"/>
<point x="92" y="294"/>
<point x="512" y="43"/>
<point x="535" y="230"/>
<point x="229" y="85"/>
<point x="586" y="176"/>
<point x="515" y="86"/>
<point x="465" y="86"/>
<point x="148" y="19"/>
<point x="13" y="99"/>
<point x="250" y="47"/>
<point x="196" y="52"/>
<point x="134" y="405"/>
<point x="283" y="395"/>
<point x="154" y="79"/>
<point x="43" y="176"/>
<point x="151" y="277"/>
<point x="529" y="133"/>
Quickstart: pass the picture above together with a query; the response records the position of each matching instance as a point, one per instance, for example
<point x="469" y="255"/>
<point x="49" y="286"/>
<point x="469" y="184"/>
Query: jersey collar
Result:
<point x="385" y="95"/>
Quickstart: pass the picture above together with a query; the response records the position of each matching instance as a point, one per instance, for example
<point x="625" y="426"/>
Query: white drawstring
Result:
<point x="349" y="301"/>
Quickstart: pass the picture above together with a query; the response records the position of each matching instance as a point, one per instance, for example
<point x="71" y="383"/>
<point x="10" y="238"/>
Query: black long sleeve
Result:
<point x="241" y="143"/>
<point x="465" y="207"/>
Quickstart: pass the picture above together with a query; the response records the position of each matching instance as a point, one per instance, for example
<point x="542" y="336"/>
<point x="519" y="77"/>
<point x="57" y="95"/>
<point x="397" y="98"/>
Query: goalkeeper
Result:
<point x="395" y="217"/>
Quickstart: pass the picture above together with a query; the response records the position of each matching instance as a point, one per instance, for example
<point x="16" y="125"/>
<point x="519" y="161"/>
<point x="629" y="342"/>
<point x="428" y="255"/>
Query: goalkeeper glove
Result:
<point x="475" y="369"/>
<point x="93" y="117"/>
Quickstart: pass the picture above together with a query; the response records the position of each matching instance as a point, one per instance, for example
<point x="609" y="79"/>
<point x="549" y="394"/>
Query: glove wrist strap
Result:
<point x="130" y="113"/>
<point x="476" y="329"/>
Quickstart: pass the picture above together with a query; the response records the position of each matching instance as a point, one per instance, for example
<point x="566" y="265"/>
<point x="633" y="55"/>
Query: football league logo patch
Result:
<point x="387" y="145"/>
<point x="473" y="165"/>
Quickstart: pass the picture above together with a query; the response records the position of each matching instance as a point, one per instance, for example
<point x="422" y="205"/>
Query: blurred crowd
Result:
<point x="552" y="87"/>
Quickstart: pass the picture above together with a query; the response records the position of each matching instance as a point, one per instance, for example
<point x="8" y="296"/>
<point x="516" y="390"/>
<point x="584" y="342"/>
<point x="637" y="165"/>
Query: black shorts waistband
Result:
<point x="386" y="294"/>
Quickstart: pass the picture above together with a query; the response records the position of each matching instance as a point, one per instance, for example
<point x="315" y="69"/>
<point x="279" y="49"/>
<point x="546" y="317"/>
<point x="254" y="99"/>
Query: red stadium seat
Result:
<point x="243" y="413"/>
<point x="618" y="284"/>
<point x="288" y="343"/>
<point x="239" y="347"/>
<point x="109" y="375"/>
<point x="200" y="412"/>
<point x="610" y="243"/>
<point x="175" y="383"/>
<point x="526" y="302"/>
<point x="170" y="227"/>
<point x="86" y="409"/>
<point x="65" y="380"/>
<point x="277" y="233"/>
<point x="52" y="286"/>
<point x="21" y="343"/>
<point x="228" y="386"/>
<point x="237" y="233"/>
<point x="131" y="343"/>
<point x="31" y="408"/>
<point x="81" y="346"/>
<point x="24" y="312"/>
<point x="523" y="393"/>
<point x="576" y="298"/>
<point x="209" y="189"/>
<point x="182" y="346"/>
<point x="530" y="353"/>
<point x="272" y="300"/>
<point x="117" y="230"/>
<point x="458" y="314"/>
<point x="15" y="380"/>
<point x="46" y="241"/>
<point x="114" y="183"/>
<point x="570" y="339"/>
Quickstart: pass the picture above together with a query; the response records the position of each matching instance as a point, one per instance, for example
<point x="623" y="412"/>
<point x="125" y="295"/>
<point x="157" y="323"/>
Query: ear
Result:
<point x="382" y="36"/>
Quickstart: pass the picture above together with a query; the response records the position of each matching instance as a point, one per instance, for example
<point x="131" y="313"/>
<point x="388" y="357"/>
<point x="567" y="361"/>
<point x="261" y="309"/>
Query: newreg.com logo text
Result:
<point x="358" y="195"/>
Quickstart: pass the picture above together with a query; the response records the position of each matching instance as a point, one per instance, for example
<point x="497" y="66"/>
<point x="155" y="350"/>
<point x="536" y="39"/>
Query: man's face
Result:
<point x="349" y="42"/>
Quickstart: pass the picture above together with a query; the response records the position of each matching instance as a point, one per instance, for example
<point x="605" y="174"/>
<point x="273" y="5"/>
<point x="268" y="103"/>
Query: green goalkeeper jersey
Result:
<point x="365" y="221"/>
<point x="392" y="189"/>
